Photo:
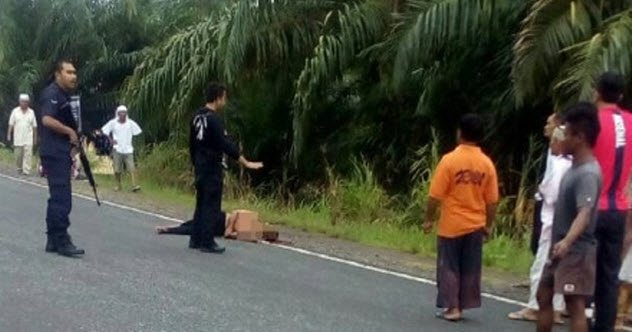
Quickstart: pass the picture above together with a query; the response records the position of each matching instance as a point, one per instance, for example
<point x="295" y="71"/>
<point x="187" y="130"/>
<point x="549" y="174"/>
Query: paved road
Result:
<point x="133" y="280"/>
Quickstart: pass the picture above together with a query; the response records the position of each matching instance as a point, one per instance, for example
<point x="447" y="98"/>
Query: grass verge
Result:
<point x="500" y="252"/>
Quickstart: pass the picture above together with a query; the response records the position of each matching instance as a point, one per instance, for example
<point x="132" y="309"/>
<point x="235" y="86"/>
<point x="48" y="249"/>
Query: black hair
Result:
<point x="610" y="87"/>
<point x="472" y="128"/>
<point x="59" y="64"/>
<point x="582" y="119"/>
<point x="214" y="91"/>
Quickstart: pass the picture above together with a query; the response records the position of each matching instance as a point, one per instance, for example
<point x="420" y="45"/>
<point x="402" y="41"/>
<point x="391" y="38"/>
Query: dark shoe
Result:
<point x="213" y="248"/>
<point x="65" y="247"/>
<point x="193" y="244"/>
<point x="50" y="244"/>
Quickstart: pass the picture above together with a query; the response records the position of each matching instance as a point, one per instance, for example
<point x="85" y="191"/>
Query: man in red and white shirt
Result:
<point x="613" y="151"/>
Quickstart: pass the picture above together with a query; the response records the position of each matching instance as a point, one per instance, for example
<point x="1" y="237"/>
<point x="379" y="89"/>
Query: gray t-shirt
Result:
<point x="580" y="187"/>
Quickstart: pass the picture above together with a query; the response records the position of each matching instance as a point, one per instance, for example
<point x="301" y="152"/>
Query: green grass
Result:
<point x="385" y="230"/>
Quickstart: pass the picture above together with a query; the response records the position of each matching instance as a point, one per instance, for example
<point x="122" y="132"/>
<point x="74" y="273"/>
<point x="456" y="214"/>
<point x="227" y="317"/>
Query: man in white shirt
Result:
<point x="121" y="130"/>
<point x="556" y="167"/>
<point x="22" y="125"/>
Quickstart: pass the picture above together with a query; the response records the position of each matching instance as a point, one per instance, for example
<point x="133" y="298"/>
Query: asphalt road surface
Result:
<point x="133" y="280"/>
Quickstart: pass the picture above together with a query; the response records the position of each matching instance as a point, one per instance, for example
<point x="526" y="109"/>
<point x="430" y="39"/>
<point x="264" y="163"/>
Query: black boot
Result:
<point x="193" y="243"/>
<point x="212" y="248"/>
<point x="50" y="243"/>
<point x="65" y="247"/>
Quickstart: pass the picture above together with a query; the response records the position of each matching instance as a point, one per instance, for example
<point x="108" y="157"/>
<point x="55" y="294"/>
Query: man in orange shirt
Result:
<point x="465" y="186"/>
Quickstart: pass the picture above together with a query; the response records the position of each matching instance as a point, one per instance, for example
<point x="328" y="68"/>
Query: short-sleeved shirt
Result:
<point x="208" y="141"/>
<point x="465" y="182"/>
<point x="613" y="151"/>
<point x="23" y="123"/>
<point x="122" y="133"/>
<point x="55" y="102"/>
<point x="580" y="188"/>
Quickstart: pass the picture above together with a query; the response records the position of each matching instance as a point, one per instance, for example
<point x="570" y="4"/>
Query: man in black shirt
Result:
<point x="58" y="133"/>
<point x="207" y="145"/>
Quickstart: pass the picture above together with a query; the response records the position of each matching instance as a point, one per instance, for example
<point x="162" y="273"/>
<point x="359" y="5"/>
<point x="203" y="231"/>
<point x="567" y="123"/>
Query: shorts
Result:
<point x="573" y="274"/>
<point x="123" y="161"/>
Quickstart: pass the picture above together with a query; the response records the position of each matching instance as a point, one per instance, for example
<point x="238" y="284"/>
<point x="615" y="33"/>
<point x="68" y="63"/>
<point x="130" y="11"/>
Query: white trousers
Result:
<point x="23" y="156"/>
<point x="536" y="272"/>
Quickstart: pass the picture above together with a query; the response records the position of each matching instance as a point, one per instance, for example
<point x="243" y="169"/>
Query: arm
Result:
<point x="11" y="124"/>
<point x="34" y="128"/>
<point x="431" y="211"/>
<point x="222" y="143"/>
<point x="56" y="126"/>
<point x="586" y="192"/>
<point x="580" y="223"/>
<point x="490" y="210"/>
<point x="491" y="200"/>
<point x="627" y="240"/>
<point x="439" y="188"/>
<point x="49" y="111"/>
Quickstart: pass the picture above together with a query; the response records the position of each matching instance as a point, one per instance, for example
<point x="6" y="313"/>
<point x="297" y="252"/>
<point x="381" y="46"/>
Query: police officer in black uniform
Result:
<point x="208" y="144"/>
<point x="58" y="134"/>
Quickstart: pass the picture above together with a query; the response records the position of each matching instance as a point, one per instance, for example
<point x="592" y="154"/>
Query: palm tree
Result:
<point x="564" y="44"/>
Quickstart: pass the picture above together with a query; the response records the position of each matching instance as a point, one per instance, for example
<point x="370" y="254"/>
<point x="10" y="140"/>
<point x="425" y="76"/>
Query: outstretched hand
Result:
<point x="253" y="165"/>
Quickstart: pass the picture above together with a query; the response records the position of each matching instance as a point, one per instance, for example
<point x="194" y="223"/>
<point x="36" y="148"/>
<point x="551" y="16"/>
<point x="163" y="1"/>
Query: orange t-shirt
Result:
<point x="465" y="182"/>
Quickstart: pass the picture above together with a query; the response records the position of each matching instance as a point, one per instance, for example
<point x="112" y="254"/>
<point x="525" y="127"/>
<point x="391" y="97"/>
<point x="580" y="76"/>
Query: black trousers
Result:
<point x="208" y="219"/>
<point x="459" y="264"/>
<point x="537" y="226"/>
<point x="610" y="232"/>
<point x="60" y="201"/>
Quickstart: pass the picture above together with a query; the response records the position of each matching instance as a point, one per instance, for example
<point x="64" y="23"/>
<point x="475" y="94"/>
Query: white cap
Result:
<point x="121" y="108"/>
<point x="24" y="97"/>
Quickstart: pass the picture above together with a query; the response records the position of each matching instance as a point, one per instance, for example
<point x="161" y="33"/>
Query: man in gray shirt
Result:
<point x="571" y="269"/>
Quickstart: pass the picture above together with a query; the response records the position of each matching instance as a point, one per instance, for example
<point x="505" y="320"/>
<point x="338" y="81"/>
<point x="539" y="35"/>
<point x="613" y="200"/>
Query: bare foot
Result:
<point x="524" y="314"/>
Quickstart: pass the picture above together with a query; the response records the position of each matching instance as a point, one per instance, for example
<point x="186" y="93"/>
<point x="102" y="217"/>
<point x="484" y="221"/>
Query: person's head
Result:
<point x="552" y="121"/>
<point x="24" y="101"/>
<point x="581" y="127"/>
<point x="471" y="129"/>
<point x="216" y="94"/>
<point x="610" y="88"/>
<point x="121" y="113"/>
<point x="557" y="140"/>
<point x="66" y="75"/>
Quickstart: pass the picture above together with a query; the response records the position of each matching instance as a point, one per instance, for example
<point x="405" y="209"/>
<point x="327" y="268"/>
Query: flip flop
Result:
<point x="441" y="315"/>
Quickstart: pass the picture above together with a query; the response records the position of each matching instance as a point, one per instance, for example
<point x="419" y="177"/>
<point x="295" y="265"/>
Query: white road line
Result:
<point x="293" y="249"/>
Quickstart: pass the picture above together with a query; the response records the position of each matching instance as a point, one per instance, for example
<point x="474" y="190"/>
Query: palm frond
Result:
<point x="607" y="50"/>
<point x="550" y="27"/>
<point x="350" y="30"/>
<point x="440" y="23"/>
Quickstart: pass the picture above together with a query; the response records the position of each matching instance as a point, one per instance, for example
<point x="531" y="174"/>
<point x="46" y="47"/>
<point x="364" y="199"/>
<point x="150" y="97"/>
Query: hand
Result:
<point x="253" y="165"/>
<point x="114" y="142"/>
<point x="487" y="233"/>
<point x="427" y="226"/>
<point x="561" y="249"/>
<point x="74" y="139"/>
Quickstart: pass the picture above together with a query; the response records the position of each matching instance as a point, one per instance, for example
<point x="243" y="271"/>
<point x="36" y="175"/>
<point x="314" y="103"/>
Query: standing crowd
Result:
<point x="580" y="238"/>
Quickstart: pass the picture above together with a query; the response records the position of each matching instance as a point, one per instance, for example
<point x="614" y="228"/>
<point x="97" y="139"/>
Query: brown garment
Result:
<point x="572" y="275"/>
